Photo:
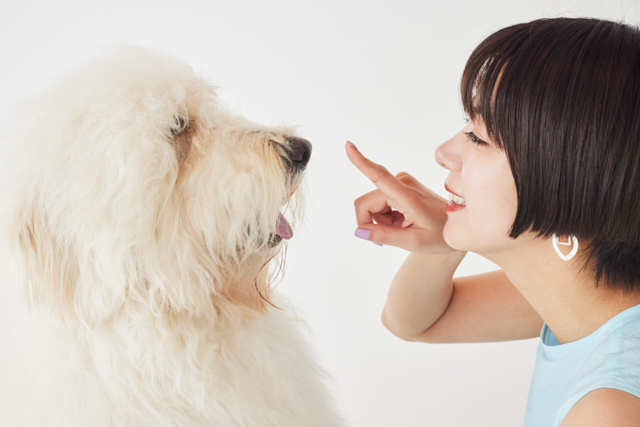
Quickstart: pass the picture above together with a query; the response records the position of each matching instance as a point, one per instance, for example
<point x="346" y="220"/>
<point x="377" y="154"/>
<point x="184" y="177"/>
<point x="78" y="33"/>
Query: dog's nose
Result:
<point x="300" y="152"/>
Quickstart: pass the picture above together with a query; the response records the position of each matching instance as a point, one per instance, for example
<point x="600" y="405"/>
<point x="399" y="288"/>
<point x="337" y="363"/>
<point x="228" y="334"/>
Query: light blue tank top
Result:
<point x="608" y="358"/>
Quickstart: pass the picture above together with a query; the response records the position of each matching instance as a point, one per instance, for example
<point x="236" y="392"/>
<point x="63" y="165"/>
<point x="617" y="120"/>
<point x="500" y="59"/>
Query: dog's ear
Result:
<point x="48" y="268"/>
<point x="182" y="135"/>
<point x="55" y="276"/>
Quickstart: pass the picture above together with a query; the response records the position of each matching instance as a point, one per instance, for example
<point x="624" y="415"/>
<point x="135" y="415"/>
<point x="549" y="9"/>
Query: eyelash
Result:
<point x="472" y="136"/>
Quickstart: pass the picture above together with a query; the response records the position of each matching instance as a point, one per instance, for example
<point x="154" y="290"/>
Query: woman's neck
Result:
<point x="565" y="297"/>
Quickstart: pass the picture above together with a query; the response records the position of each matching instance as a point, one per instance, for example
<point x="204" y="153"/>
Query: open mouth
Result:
<point x="283" y="229"/>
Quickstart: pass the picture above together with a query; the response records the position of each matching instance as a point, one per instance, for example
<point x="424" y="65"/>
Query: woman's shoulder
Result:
<point x="609" y="387"/>
<point x="604" y="406"/>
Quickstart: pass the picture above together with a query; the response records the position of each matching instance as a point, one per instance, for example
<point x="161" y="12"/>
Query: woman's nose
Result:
<point x="447" y="157"/>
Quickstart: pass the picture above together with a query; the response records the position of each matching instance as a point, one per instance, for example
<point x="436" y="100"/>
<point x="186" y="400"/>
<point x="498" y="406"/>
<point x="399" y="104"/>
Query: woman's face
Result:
<point x="482" y="176"/>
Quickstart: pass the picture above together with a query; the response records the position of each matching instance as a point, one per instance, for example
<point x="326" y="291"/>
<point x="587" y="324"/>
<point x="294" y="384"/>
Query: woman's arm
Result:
<point x="480" y="308"/>
<point x="420" y="292"/>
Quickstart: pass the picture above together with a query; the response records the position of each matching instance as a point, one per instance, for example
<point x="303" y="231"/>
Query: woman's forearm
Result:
<point x="420" y="292"/>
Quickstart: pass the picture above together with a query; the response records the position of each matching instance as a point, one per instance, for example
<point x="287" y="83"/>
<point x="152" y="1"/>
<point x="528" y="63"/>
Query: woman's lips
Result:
<point x="452" y="206"/>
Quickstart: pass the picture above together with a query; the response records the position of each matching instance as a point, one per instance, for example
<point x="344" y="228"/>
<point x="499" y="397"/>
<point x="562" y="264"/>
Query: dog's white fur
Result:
<point x="143" y="235"/>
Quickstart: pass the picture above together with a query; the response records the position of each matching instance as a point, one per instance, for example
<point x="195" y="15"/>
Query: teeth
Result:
<point x="457" y="200"/>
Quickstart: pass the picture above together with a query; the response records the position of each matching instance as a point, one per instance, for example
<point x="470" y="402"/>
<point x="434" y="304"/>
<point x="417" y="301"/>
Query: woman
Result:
<point x="544" y="182"/>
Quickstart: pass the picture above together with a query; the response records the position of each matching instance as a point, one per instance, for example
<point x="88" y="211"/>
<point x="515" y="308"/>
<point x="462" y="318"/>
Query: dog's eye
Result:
<point x="179" y="127"/>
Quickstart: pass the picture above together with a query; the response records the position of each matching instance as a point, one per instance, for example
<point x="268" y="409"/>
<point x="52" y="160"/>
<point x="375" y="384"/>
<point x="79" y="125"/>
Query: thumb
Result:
<point x="385" y="235"/>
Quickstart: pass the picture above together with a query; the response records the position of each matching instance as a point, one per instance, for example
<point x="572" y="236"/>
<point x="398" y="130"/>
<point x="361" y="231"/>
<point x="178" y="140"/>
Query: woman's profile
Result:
<point x="544" y="181"/>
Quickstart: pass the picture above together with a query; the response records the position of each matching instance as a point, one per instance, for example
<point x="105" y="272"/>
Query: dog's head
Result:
<point x="143" y="193"/>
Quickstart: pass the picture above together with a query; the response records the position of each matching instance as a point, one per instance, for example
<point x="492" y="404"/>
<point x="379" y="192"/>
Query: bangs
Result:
<point x="479" y="81"/>
<point x="520" y="70"/>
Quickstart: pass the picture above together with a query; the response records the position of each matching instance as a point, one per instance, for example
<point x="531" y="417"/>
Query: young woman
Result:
<point x="545" y="182"/>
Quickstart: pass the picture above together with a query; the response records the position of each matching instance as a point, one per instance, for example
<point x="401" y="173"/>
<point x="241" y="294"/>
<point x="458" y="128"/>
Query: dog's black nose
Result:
<point x="300" y="152"/>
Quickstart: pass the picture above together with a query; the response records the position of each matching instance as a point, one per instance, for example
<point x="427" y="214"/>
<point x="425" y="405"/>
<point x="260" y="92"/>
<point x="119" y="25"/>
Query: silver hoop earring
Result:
<point x="555" y="242"/>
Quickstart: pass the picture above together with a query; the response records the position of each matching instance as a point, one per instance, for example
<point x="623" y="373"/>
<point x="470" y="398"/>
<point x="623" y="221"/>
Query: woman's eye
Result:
<point x="472" y="136"/>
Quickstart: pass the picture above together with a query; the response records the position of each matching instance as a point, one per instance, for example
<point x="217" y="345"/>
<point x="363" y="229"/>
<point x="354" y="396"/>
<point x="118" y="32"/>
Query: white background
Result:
<point x="384" y="75"/>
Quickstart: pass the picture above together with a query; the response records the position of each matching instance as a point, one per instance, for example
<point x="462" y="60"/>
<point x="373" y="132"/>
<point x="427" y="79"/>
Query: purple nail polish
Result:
<point x="362" y="233"/>
<point x="352" y="144"/>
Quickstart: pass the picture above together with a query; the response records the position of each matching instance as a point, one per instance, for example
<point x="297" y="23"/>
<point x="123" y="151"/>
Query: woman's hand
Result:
<point x="406" y="213"/>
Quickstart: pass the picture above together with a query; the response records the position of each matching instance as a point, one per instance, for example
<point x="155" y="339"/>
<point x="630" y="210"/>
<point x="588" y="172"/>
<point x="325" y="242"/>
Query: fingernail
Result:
<point x="352" y="144"/>
<point x="362" y="233"/>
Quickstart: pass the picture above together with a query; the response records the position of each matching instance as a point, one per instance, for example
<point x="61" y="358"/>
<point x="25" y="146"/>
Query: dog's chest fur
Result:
<point x="132" y="373"/>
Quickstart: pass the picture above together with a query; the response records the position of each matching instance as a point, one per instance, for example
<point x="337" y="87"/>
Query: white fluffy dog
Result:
<point x="144" y="231"/>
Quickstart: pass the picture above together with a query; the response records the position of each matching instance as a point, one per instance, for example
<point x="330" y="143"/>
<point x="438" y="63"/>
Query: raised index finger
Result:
<point x="380" y="176"/>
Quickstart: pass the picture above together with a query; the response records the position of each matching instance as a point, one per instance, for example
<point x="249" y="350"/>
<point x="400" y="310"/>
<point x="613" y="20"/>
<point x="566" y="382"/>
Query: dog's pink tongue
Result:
<point x="283" y="228"/>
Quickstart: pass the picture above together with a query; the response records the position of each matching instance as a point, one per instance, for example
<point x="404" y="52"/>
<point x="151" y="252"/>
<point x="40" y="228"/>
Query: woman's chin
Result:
<point x="452" y="239"/>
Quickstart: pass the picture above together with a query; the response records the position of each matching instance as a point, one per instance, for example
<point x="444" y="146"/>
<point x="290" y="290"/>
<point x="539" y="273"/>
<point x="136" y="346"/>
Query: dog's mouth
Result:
<point x="283" y="229"/>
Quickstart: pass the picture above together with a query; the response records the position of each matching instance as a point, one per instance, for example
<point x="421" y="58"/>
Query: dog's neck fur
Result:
<point x="251" y="288"/>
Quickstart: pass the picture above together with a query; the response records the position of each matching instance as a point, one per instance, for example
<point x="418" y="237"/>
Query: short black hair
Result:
<point x="561" y="97"/>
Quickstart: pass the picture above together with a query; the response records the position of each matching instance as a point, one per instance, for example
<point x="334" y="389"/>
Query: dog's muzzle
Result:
<point x="298" y="155"/>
